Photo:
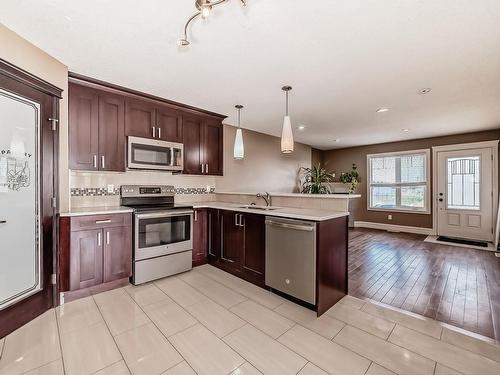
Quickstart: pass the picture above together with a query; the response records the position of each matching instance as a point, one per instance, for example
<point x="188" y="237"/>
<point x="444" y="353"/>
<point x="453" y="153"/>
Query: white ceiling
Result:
<point x="344" y="59"/>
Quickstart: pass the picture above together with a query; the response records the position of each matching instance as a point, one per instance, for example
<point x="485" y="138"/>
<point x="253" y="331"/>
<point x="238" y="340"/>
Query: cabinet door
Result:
<point x="231" y="241"/>
<point x="214" y="235"/>
<point x="212" y="147"/>
<point x="200" y="237"/>
<point x="254" y="250"/>
<point x="83" y="127"/>
<point x="111" y="133"/>
<point x="117" y="253"/>
<point x="169" y="123"/>
<point x="85" y="259"/>
<point x="140" y="118"/>
<point x="192" y="136"/>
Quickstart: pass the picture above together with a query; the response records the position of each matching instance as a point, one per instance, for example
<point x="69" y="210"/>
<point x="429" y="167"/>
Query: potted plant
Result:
<point x="316" y="180"/>
<point x="351" y="178"/>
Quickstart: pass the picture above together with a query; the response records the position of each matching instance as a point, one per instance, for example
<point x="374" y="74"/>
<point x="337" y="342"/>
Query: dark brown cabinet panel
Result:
<point x="254" y="249"/>
<point x="140" y="118"/>
<point x="83" y="127"/>
<point x="192" y="139"/>
<point x="212" y="147"/>
<point x="200" y="237"/>
<point x="231" y="240"/>
<point x="111" y="133"/>
<point x="85" y="268"/>
<point x="213" y="241"/>
<point x="117" y="253"/>
<point x="169" y="124"/>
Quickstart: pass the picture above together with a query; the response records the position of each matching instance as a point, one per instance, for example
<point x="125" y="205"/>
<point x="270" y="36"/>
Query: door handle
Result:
<point x="154" y="132"/>
<point x="242" y="223"/>
<point x="102" y="161"/>
<point x="94" y="161"/>
<point x="203" y="168"/>
<point x="236" y="220"/>
<point x="99" y="241"/>
<point x="107" y="238"/>
<point x="159" y="132"/>
<point x="206" y="168"/>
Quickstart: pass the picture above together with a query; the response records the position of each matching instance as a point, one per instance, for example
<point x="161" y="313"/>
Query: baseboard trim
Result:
<point x="392" y="227"/>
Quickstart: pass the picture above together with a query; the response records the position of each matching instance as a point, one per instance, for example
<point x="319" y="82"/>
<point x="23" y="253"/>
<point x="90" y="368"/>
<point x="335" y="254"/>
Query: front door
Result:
<point x="27" y="185"/>
<point x="465" y="194"/>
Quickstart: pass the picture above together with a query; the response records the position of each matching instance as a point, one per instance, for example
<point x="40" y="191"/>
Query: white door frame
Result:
<point x="465" y="146"/>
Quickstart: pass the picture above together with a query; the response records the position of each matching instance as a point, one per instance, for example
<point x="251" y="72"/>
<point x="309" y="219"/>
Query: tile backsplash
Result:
<point x="91" y="189"/>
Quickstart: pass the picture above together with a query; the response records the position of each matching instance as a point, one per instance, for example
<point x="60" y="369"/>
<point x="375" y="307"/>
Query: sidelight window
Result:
<point x="399" y="181"/>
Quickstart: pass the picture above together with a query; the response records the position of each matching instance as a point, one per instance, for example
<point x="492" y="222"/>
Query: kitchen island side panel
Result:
<point x="332" y="250"/>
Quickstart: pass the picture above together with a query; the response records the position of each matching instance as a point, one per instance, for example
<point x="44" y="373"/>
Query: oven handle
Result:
<point x="163" y="214"/>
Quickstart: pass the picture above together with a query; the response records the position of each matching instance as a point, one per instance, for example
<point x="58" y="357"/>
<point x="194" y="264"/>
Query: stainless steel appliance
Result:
<point x="291" y="257"/>
<point x="163" y="232"/>
<point x="144" y="153"/>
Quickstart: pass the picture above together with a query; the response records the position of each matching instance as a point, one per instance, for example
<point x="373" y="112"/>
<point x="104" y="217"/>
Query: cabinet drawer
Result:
<point x="100" y="221"/>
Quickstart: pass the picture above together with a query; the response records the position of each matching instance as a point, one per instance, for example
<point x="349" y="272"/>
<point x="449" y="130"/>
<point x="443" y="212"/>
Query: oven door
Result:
<point x="162" y="233"/>
<point x="146" y="153"/>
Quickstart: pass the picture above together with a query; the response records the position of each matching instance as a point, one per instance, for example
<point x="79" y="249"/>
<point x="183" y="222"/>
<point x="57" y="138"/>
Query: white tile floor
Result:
<point x="209" y="322"/>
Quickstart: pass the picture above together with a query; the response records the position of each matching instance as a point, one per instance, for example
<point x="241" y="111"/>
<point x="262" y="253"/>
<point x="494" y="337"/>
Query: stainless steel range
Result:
<point x="163" y="232"/>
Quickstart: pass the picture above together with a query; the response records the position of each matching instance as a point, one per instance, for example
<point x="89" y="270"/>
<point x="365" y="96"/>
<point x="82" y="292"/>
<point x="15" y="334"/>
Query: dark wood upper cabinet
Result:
<point x="212" y="147"/>
<point x="85" y="267"/>
<point x="192" y="137"/>
<point x="111" y="133"/>
<point x="96" y="129"/>
<point x="140" y="118"/>
<point x="169" y="124"/>
<point x="84" y="128"/>
<point x="117" y="253"/>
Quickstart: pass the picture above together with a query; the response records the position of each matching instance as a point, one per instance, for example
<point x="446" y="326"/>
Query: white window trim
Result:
<point x="428" y="194"/>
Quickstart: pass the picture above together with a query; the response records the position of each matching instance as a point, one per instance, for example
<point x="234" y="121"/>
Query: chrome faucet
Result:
<point x="266" y="196"/>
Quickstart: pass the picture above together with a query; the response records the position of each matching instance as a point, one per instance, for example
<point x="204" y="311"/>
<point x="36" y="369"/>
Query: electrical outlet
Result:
<point x="389" y="217"/>
<point x="111" y="188"/>
<point x="208" y="187"/>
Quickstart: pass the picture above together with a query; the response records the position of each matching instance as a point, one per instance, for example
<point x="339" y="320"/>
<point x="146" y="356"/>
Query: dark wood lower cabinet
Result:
<point x="253" y="259"/>
<point x="95" y="253"/>
<point x="200" y="237"/>
<point x="232" y="237"/>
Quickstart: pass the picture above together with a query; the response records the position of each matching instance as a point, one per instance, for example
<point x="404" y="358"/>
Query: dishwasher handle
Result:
<point x="306" y="228"/>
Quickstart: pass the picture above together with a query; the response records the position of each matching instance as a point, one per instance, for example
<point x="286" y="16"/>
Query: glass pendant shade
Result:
<point x="239" y="147"/>
<point x="287" y="136"/>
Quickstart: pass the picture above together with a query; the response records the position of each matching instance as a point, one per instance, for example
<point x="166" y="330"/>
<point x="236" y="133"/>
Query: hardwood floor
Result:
<point x="451" y="284"/>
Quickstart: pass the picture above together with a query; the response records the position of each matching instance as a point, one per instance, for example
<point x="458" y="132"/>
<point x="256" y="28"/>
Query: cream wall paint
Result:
<point x="264" y="167"/>
<point x="25" y="55"/>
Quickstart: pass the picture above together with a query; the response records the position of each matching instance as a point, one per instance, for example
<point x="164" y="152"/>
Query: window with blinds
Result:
<point x="399" y="181"/>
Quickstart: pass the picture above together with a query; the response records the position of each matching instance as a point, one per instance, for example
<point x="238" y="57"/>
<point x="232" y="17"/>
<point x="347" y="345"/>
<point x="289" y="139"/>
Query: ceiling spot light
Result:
<point x="405" y="130"/>
<point x="301" y="127"/>
<point x="204" y="8"/>
<point x="424" y="91"/>
<point x="382" y="110"/>
<point x="286" y="131"/>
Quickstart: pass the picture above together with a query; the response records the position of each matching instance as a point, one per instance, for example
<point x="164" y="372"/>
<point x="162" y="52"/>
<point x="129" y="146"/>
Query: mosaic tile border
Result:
<point x="103" y="192"/>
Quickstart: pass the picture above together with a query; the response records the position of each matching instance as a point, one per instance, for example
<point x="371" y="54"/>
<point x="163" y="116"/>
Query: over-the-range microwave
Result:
<point x="144" y="153"/>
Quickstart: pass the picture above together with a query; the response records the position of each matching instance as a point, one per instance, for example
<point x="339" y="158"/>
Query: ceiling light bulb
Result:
<point x="301" y="127"/>
<point x="382" y="110"/>
<point x="205" y="11"/>
<point x="405" y="130"/>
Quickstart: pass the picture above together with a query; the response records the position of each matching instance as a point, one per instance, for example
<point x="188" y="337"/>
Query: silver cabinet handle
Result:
<point x="102" y="161"/>
<point x="236" y="220"/>
<point x="242" y="223"/>
<point x="94" y="161"/>
<point x="195" y="215"/>
<point x="107" y="238"/>
<point x="203" y="168"/>
<point x="107" y="221"/>
<point x="3" y="221"/>
<point x="290" y="226"/>
<point x="154" y="132"/>
<point x="206" y="168"/>
<point x="99" y="239"/>
<point x="159" y="132"/>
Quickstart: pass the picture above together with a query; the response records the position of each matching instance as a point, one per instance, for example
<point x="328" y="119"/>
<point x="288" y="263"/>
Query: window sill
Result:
<point x="401" y="210"/>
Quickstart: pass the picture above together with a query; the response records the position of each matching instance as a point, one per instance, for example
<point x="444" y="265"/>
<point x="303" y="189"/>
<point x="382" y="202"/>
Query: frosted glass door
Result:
<point x="19" y="198"/>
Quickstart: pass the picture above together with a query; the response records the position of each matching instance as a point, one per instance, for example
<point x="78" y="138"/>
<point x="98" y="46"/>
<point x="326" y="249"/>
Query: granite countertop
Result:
<point x="285" y="212"/>
<point x="297" y="195"/>
<point x="103" y="210"/>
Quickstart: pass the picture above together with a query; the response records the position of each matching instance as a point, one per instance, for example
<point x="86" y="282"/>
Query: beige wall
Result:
<point x="264" y="167"/>
<point x="25" y="55"/>
<point x="341" y="161"/>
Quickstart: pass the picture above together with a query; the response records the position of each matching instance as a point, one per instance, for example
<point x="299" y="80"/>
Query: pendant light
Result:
<point x="239" y="148"/>
<point x="286" y="132"/>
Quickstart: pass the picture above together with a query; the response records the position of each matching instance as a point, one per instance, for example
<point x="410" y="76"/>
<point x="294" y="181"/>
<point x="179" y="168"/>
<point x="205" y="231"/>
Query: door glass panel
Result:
<point x="164" y="231"/>
<point x="463" y="180"/>
<point x="19" y="198"/>
<point x="383" y="197"/>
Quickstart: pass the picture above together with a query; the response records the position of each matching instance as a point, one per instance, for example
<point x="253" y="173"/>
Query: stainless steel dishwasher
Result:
<point x="291" y="257"/>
